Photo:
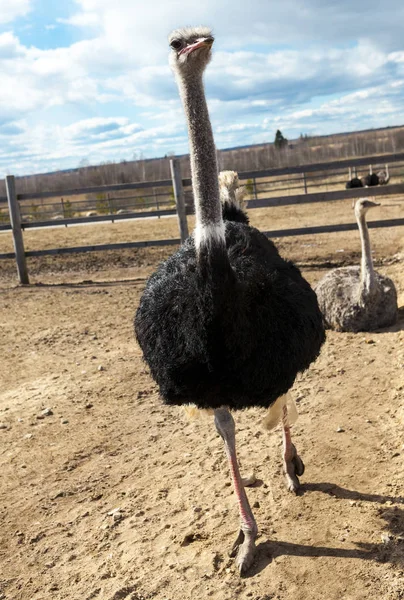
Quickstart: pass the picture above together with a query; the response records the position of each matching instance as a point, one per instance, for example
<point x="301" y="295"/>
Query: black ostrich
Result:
<point x="353" y="182"/>
<point x="371" y="179"/>
<point x="225" y="323"/>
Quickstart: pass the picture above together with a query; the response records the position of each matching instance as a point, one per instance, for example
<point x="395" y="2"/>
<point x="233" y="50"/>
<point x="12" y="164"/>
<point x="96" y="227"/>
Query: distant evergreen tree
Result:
<point x="102" y="204"/>
<point x="68" y="211"/>
<point x="280" y="141"/>
<point x="249" y="187"/>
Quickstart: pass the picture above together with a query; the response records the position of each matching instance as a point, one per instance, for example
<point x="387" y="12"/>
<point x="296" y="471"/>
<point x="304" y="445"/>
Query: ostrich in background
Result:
<point x="353" y="182"/>
<point x="371" y="179"/>
<point x="358" y="298"/>
<point x="225" y="323"/>
<point x="384" y="176"/>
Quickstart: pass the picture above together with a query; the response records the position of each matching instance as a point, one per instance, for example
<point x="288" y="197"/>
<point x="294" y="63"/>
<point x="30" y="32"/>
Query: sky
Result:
<point x="88" y="81"/>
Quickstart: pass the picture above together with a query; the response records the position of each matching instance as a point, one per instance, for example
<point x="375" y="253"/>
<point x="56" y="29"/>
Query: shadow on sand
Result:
<point x="332" y="489"/>
<point x="387" y="551"/>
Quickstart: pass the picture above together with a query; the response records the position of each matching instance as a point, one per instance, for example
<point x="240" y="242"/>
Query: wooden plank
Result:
<point x="97" y="248"/>
<point x="331" y="228"/>
<point x="277" y="233"/>
<point x="387" y="190"/>
<point x="94" y="219"/>
<point x="15" y="219"/>
<point x="99" y="219"/>
<point x="382" y="190"/>
<point x="310" y="168"/>
<point x="118" y="187"/>
<point x="179" y="198"/>
<point x="327" y="166"/>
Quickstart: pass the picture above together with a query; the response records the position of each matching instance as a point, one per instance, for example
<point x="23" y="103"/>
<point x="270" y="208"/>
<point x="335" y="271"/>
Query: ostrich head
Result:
<point x="230" y="190"/>
<point x="190" y="50"/>
<point x="362" y="206"/>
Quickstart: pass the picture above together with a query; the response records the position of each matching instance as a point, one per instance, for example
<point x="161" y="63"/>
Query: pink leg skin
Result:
<point x="244" y="546"/>
<point x="292" y="463"/>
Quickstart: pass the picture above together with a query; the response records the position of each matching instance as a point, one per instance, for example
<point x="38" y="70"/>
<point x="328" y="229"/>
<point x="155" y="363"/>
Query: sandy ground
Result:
<point x="111" y="495"/>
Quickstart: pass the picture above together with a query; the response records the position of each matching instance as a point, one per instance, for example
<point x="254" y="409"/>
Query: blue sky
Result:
<point x="88" y="80"/>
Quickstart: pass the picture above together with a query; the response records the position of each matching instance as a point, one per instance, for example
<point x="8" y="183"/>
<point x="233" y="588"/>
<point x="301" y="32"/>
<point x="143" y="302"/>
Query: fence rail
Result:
<point x="389" y="190"/>
<point x="275" y="233"/>
<point x="336" y="166"/>
<point x="380" y="159"/>
<point x="115" y="187"/>
<point x="309" y="198"/>
<point x="96" y="219"/>
<point x="176" y="189"/>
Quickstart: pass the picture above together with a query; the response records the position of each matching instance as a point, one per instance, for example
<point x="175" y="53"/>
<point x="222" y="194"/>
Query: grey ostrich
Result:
<point x="384" y="176"/>
<point x="358" y="298"/>
<point x="225" y="323"/>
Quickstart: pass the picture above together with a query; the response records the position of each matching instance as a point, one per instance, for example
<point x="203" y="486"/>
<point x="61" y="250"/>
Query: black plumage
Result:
<point x="355" y="182"/>
<point x="231" y="212"/>
<point x="370" y="180"/>
<point x="236" y="333"/>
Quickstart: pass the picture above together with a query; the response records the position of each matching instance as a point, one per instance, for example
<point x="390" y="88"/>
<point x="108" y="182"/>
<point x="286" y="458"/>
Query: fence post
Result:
<point x="63" y="210"/>
<point x="110" y="206"/>
<point x="15" y="219"/>
<point x="179" y="198"/>
<point x="156" y="201"/>
<point x="255" y="188"/>
<point x="305" y="183"/>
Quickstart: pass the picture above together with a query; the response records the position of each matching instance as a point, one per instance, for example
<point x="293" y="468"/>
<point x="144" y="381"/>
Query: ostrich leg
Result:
<point x="292" y="463"/>
<point x="244" y="546"/>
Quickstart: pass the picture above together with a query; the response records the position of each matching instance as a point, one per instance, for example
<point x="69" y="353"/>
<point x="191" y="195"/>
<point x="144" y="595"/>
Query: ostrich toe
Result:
<point x="244" y="550"/>
<point x="293" y="468"/>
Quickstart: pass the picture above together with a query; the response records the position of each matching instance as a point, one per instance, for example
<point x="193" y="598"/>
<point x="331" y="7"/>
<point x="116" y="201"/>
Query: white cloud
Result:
<point x="25" y="148"/>
<point x="11" y="9"/>
<point x="236" y="127"/>
<point x="10" y="46"/>
<point x="34" y="79"/>
<point x="121" y="68"/>
<point x="135" y="24"/>
<point x="120" y="63"/>
<point x="84" y="19"/>
<point x="98" y="129"/>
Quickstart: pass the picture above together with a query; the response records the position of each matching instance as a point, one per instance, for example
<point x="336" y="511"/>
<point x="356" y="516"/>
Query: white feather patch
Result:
<point x="208" y="234"/>
<point x="194" y="413"/>
<point x="275" y="412"/>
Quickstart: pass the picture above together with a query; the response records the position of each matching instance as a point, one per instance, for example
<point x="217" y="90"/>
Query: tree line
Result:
<point x="281" y="153"/>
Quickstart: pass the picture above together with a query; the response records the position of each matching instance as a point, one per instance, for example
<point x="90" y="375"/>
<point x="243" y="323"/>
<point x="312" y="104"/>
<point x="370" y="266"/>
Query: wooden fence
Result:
<point x="332" y="174"/>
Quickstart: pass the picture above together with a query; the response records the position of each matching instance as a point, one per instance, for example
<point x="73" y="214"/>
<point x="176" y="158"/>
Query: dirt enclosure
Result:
<point x="106" y="494"/>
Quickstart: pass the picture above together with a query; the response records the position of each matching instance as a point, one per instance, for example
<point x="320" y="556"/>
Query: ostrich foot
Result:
<point x="294" y="468"/>
<point x="244" y="550"/>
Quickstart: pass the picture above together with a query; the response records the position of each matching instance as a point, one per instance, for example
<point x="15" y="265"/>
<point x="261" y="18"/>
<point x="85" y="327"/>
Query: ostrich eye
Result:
<point x="176" y="44"/>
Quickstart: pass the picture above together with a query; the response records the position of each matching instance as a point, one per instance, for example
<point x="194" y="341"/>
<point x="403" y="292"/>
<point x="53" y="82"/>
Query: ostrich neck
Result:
<point x="202" y="152"/>
<point x="367" y="284"/>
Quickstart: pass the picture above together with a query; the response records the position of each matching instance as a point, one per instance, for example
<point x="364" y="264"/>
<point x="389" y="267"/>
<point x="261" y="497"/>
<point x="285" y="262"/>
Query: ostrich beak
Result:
<point x="371" y="204"/>
<point x="202" y="43"/>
